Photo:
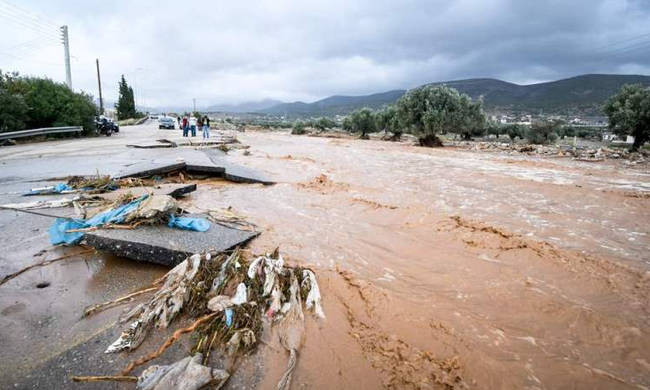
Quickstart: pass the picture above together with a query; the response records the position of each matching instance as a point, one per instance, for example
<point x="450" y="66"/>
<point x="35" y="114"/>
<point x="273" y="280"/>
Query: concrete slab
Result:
<point x="147" y="169"/>
<point x="150" y="146"/>
<point x="217" y="166"/>
<point x="164" y="245"/>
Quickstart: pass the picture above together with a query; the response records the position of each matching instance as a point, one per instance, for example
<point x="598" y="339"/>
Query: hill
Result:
<point x="576" y="95"/>
<point x="244" y="107"/>
<point x="337" y="104"/>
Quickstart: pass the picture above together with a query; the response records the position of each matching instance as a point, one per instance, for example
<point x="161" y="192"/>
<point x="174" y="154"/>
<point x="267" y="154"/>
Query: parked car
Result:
<point x="166" y="123"/>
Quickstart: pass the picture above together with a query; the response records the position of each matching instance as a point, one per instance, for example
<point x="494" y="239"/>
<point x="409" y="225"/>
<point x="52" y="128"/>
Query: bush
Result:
<point x="542" y="133"/>
<point x="323" y="123"/>
<point x="514" y="131"/>
<point x="31" y="102"/>
<point x="428" y="111"/>
<point x="298" y="128"/>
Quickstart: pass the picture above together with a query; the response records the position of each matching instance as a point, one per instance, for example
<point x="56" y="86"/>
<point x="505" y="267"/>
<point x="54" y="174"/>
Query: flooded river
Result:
<point x="459" y="268"/>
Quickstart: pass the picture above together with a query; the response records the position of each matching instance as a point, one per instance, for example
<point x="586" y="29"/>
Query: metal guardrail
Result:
<point x="43" y="131"/>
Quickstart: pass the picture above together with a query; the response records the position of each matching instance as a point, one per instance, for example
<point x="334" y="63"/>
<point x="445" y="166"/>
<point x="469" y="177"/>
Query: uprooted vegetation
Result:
<point x="230" y="299"/>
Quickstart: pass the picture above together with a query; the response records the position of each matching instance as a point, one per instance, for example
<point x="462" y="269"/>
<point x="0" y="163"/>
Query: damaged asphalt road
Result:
<point x="43" y="338"/>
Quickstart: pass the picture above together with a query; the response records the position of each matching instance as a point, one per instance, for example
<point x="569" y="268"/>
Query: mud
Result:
<point x="446" y="268"/>
<point x="438" y="268"/>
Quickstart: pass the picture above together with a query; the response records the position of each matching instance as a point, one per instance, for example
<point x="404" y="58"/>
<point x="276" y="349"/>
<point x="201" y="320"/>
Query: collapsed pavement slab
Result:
<point x="218" y="168"/>
<point x="150" y="146"/>
<point x="161" y="244"/>
<point x="148" y="169"/>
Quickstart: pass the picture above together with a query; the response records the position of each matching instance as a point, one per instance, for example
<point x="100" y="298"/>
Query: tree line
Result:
<point x="430" y="111"/>
<point x="33" y="102"/>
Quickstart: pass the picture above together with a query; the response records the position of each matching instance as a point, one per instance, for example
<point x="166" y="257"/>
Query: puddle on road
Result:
<point x="40" y="310"/>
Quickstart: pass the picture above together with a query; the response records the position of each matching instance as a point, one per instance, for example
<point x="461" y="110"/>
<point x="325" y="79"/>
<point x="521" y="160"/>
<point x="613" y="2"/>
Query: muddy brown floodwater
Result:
<point x="449" y="268"/>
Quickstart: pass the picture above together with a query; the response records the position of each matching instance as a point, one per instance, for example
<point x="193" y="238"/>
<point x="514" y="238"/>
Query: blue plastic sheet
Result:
<point x="56" y="189"/>
<point x="58" y="230"/>
<point x="58" y="234"/>
<point x="187" y="223"/>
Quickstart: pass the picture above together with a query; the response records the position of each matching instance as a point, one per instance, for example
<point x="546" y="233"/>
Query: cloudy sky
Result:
<point x="234" y="51"/>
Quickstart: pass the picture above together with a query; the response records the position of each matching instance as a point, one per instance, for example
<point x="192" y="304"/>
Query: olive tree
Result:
<point x="363" y="121"/>
<point x="629" y="113"/>
<point x="386" y="120"/>
<point x="429" y="111"/>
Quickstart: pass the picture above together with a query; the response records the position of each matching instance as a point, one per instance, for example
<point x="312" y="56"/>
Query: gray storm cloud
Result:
<point x="228" y="52"/>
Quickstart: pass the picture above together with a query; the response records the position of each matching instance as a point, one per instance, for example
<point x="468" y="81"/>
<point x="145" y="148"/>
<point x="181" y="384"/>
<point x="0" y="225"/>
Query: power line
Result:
<point x="52" y="36"/>
<point x="31" y="15"/>
<point x="19" y="17"/>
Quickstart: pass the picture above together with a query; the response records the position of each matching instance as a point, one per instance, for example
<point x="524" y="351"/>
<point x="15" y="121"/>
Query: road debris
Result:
<point x="578" y="153"/>
<point x="230" y="298"/>
<point x="185" y="374"/>
<point x="160" y="244"/>
<point x="146" y="209"/>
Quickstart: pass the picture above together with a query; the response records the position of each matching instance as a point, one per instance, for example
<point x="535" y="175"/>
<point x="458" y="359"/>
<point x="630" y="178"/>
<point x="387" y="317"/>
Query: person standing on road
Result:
<point x="199" y="123"/>
<point x="185" y="126"/>
<point x="206" y="127"/>
<point x="178" y="118"/>
<point x="193" y="126"/>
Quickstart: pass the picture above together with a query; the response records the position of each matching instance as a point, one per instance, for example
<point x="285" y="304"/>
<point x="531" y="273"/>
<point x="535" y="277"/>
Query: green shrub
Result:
<point x="298" y="128"/>
<point x="542" y="133"/>
<point x="32" y="102"/>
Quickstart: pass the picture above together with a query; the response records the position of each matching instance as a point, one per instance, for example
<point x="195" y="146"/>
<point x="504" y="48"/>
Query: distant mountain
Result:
<point x="337" y="104"/>
<point x="581" y="94"/>
<point x="243" y="107"/>
<point x="576" y="95"/>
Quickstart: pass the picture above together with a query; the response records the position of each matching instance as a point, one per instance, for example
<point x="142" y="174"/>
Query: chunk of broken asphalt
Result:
<point x="164" y="245"/>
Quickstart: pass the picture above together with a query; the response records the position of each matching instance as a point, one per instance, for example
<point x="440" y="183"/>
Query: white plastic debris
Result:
<point x="240" y="295"/>
<point x="272" y="268"/>
<point x="254" y="266"/>
<point x="163" y="306"/>
<point x="185" y="374"/>
<point x="313" y="297"/>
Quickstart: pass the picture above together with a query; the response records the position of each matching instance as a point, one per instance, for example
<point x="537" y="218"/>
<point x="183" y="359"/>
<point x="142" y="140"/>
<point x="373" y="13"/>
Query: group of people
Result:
<point x="189" y="125"/>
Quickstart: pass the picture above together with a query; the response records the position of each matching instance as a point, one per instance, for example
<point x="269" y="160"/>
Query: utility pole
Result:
<point x="194" y="104"/>
<point x="66" y="49"/>
<point x="99" y="83"/>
